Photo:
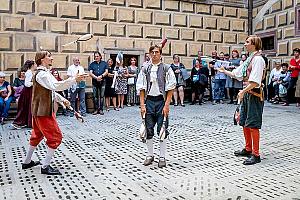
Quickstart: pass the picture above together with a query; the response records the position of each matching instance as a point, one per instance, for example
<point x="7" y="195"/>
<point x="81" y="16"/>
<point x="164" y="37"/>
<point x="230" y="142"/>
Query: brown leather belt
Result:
<point x="260" y="94"/>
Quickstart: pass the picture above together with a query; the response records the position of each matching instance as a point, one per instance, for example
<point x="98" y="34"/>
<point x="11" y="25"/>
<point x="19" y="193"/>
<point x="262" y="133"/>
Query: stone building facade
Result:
<point x="279" y="21"/>
<point x="128" y="25"/>
<point x="133" y="25"/>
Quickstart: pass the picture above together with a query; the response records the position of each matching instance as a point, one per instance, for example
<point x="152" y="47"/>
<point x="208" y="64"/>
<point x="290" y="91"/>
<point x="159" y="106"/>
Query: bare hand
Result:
<point x="221" y="69"/>
<point x="166" y="110"/>
<point x="241" y="95"/>
<point x="143" y="110"/>
<point x="6" y="98"/>
<point x="79" y="78"/>
<point x="99" y="78"/>
<point x="66" y="103"/>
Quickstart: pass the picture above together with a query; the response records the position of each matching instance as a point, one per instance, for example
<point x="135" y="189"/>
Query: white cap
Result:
<point x="2" y="74"/>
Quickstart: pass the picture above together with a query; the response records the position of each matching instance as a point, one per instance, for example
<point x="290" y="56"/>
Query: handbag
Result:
<point x="184" y="74"/>
<point x="3" y="94"/>
<point x="18" y="91"/>
<point x="282" y="90"/>
<point x="203" y="79"/>
<point x="130" y="81"/>
<point x="195" y="78"/>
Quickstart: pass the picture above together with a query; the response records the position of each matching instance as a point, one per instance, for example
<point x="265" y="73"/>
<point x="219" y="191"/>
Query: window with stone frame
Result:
<point x="269" y="42"/>
<point x="297" y="21"/>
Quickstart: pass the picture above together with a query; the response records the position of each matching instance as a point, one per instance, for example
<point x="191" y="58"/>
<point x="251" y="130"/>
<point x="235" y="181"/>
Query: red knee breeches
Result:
<point x="45" y="126"/>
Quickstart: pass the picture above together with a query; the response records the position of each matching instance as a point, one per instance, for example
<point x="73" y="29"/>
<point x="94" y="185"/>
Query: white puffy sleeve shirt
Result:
<point x="28" y="78"/>
<point x="47" y="80"/>
<point x="141" y="83"/>
<point x="258" y="66"/>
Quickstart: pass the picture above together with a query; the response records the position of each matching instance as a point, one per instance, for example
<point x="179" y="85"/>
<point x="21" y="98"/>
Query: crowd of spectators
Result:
<point x="117" y="84"/>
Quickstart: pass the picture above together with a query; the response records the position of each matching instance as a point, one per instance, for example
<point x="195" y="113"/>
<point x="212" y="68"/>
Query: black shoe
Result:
<point x="182" y="105"/>
<point x="243" y="153"/>
<point x="149" y="160"/>
<point x="252" y="160"/>
<point x="162" y="163"/>
<point x="231" y="102"/>
<point x="200" y="103"/>
<point x="2" y="120"/>
<point x="95" y="112"/>
<point x="50" y="171"/>
<point x="31" y="164"/>
<point x="193" y="103"/>
<point x="175" y="104"/>
<point x="101" y="112"/>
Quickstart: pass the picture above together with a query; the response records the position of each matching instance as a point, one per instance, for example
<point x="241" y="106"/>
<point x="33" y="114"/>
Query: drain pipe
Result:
<point x="250" y="17"/>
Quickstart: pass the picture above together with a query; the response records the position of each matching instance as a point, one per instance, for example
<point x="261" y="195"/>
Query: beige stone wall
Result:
<point x="135" y="24"/>
<point x="281" y="19"/>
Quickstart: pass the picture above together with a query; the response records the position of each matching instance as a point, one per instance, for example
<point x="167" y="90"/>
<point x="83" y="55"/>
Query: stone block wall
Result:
<point x="280" y="18"/>
<point x="28" y="25"/>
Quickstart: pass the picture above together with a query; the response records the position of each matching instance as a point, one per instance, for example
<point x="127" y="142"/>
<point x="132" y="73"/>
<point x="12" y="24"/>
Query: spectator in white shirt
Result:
<point x="273" y="78"/>
<point x="78" y="88"/>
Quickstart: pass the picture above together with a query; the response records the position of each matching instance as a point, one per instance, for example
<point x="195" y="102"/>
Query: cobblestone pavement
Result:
<point x="102" y="159"/>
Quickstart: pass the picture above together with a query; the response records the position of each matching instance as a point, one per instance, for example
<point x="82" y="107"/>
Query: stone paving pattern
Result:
<point x="102" y="159"/>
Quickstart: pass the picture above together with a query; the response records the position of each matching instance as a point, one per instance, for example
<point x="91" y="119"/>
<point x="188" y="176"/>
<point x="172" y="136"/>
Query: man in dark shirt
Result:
<point x="98" y="70"/>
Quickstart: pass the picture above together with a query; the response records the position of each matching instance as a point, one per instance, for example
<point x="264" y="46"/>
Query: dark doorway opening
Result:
<point x="126" y="59"/>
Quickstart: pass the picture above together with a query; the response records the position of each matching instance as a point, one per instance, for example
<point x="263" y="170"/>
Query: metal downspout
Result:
<point x="250" y="17"/>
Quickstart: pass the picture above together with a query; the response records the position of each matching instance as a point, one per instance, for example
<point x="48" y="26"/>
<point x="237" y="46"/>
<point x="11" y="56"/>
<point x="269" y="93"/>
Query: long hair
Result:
<point x="133" y="58"/>
<point x="27" y="65"/>
<point x="55" y="70"/>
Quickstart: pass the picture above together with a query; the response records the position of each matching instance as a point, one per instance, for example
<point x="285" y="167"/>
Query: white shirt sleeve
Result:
<point x="141" y="83"/>
<point x="271" y="75"/>
<point x="69" y="72"/>
<point x="238" y="73"/>
<point x="59" y="99"/>
<point x="28" y="78"/>
<point x="170" y="80"/>
<point x="258" y="66"/>
<point x="47" y="80"/>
